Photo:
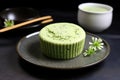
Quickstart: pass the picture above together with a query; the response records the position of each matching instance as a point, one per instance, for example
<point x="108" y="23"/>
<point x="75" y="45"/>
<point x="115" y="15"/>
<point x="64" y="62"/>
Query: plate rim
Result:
<point x="88" y="65"/>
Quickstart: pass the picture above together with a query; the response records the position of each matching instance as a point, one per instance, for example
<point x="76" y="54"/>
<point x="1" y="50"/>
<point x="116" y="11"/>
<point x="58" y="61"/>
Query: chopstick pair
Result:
<point x="44" y="20"/>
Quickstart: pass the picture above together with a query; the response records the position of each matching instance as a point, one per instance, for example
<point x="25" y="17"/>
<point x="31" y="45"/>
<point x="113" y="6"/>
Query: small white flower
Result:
<point x="95" y="44"/>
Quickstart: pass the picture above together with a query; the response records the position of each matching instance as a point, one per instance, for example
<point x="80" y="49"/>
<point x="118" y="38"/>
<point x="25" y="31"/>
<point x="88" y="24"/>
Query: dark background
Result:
<point x="64" y="5"/>
<point x="68" y="6"/>
<point x="54" y="4"/>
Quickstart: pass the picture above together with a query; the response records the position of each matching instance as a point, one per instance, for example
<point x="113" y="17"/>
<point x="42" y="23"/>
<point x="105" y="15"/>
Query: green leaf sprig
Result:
<point x="8" y="23"/>
<point x="95" y="45"/>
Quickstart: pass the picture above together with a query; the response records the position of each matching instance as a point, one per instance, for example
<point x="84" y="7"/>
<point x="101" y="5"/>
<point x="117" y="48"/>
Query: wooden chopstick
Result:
<point x="47" y="21"/>
<point x="28" y="22"/>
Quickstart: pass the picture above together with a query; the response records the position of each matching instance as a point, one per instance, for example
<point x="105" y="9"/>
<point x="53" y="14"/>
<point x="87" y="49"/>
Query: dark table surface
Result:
<point x="12" y="67"/>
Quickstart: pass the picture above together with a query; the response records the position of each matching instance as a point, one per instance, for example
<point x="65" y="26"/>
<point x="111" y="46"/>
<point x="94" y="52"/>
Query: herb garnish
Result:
<point x="95" y="45"/>
<point x="8" y="23"/>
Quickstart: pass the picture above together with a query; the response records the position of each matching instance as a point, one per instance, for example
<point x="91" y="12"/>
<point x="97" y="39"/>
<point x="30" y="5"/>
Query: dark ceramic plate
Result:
<point x="29" y="49"/>
<point x="20" y="14"/>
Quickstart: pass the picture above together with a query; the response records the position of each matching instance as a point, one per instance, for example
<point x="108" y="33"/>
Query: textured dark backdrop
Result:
<point x="67" y="8"/>
<point x="54" y="4"/>
<point x="62" y="5"/>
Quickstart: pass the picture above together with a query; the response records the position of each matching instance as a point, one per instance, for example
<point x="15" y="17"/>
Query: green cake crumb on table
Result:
<point x="62" y="40"/>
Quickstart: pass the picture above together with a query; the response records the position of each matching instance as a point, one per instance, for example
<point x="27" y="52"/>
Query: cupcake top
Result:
<point x="62" y="33"/>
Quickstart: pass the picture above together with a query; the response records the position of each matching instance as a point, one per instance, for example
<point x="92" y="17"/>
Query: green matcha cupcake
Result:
<point x="62" y="40"/>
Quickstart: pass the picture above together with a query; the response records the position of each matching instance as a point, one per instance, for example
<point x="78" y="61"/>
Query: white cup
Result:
<point x="95" y="17"/>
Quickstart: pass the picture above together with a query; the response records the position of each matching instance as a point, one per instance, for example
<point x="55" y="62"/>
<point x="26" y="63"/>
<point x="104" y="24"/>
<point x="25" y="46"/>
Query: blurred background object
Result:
<point x="19" y="14"/>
